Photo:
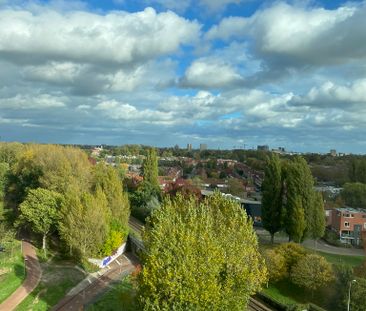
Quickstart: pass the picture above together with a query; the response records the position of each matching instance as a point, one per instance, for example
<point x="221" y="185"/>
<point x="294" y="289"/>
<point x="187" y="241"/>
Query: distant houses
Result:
<point x="348" y="223"/>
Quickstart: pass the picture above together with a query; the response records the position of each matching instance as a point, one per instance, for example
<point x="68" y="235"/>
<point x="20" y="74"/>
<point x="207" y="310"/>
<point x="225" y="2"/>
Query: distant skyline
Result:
<point x="163" y="72"/>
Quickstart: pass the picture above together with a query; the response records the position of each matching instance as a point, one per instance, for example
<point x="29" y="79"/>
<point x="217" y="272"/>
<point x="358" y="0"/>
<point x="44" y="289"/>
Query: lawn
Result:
<point x="287" y="293"/>
<point x="57" y="280"/>
<point x="12" y="271"/>
<point x="352" y="261"/>
<point x="121" y="297"/>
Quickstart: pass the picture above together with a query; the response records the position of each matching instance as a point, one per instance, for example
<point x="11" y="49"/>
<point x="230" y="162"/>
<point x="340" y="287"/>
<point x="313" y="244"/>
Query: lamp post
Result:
<point x="349" y="293"/>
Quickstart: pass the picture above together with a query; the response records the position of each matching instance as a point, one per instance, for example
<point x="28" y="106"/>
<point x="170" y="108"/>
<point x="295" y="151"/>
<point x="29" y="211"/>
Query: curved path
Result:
<point x="33" y="277"/>
<point x="319" y="246"/>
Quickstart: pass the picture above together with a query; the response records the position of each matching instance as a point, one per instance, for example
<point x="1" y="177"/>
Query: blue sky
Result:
<point x="164" y="72"/>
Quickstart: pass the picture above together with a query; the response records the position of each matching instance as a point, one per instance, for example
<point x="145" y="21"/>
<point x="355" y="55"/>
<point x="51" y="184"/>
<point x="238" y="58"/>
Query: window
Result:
<point x="346" y="224"/>
<point x="364" y="225"/>
<point x="363" y="216"/>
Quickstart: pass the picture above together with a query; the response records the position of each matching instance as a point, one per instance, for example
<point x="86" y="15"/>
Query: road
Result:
<point x="124" y="265"/>
<point x="34" y="273"/>
<point x="320" y="245"/>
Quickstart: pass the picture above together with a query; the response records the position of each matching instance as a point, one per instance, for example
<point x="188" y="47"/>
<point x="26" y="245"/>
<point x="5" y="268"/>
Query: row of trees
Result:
<point x="55" y="191"/>
<point x="289" y="201"/>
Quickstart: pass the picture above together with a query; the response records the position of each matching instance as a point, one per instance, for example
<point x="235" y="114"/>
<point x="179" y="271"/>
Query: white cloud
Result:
<point x="292" y="35"/>
<point x="330" y="95"/>
<point x="210" y="74"/>
<point x="126" y="112"/>
<point x="118" y="37"/>
<point x="41" y="101"/>
<point x="213" y="6"/>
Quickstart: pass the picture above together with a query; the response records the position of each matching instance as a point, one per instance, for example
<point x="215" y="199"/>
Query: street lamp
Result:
<point x="349" y="293"/>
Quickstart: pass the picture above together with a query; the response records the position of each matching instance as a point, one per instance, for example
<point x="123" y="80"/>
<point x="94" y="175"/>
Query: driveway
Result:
<point x="33" y="277"/>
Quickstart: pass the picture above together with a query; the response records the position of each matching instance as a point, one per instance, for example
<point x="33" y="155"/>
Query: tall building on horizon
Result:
<point x="189" y="147"/>
<point x="203" y="147"/>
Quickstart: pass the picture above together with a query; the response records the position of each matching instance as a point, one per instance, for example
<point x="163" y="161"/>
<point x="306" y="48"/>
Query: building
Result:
<point x="189" y="147"/>
<point x="262" y="148"/>
<point x="333" y="152"/>
<point x="203" y="147"/>
<point x="349" y="223"/>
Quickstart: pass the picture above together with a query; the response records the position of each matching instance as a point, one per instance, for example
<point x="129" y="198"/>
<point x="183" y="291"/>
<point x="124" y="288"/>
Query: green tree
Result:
<point x="317" y="227"/>
<point x="84" y="224"/>
<point x="235" y="187"/>
<point x="295" y="219"/>
<point x="150" y="168"/>
<point x="354" y="194"/>
<point x="344" y="275"/>
<point x="292" y="252"/>
<point x="107" y="179"/>
<point x="276" y="265"/>
<point x="200" y="256"/>
<point x="358" y="297"/>
<point x="298" y="197"/>
<point x="312" y="272"/>
<point x="272" y="209"/>
<point x="41" y="211"/>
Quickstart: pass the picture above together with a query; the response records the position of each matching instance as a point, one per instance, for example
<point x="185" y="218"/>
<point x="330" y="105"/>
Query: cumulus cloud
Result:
<point x="126" y="112"/>
<point x="83" y="37"/>
<point x="330" y="95"/>
<point x="292" y="35"/>
<point x="210" y="74"/>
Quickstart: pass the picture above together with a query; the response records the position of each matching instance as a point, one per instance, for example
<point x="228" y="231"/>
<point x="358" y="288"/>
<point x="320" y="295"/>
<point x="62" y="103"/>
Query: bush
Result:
<point x="276" y="265"/>
<point x="312" y="272"/>
<point x="292" y="252"/>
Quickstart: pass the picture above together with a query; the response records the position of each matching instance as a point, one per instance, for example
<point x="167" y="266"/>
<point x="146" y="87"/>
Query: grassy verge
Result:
<point x="12" y="271"/>
<point x="121" y="297"/>
<point x="352" y="261"/>
<point x="56" y="281"/>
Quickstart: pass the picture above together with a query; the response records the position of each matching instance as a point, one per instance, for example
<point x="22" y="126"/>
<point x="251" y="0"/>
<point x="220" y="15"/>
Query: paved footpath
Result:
<point x="89" y="289"/>
<point x="34" y="273"/>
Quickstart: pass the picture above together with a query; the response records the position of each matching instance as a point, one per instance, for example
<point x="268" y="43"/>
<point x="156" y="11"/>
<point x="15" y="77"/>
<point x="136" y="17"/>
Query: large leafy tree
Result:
<point x="150" y="168"/>
<point x="312" y="272"/>
<point x="272" y="209"/>
<point x="200" y="256"/>
<point x="354" y="194"/>
<point x="358" y="297"/>
<point x="299" y="199"/>
<point x="317" y="225"/>
<point x="84" y="225"/>
<point x="107" y="179"/>
<point x="41" y="211"/>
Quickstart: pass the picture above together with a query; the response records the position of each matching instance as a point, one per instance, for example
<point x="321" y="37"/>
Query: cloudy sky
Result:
<point x="160" y="72"/>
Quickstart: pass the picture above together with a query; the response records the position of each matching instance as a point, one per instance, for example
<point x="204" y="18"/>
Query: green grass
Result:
<point x="55" y="283"/>
<point x="11" y="269"/>
<point x="352" y="261"/>
<point x="121" y="297"/>
<point x="288" y="293"/>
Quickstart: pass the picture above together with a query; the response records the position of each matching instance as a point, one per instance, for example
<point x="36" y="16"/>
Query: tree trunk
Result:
<point x="44" y="244"/>
<point x="272" y="238"/>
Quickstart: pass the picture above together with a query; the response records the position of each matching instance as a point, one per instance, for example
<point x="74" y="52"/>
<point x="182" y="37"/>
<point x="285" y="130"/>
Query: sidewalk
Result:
<point x="93" y="285"/>
<point x="34" y="273"/>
